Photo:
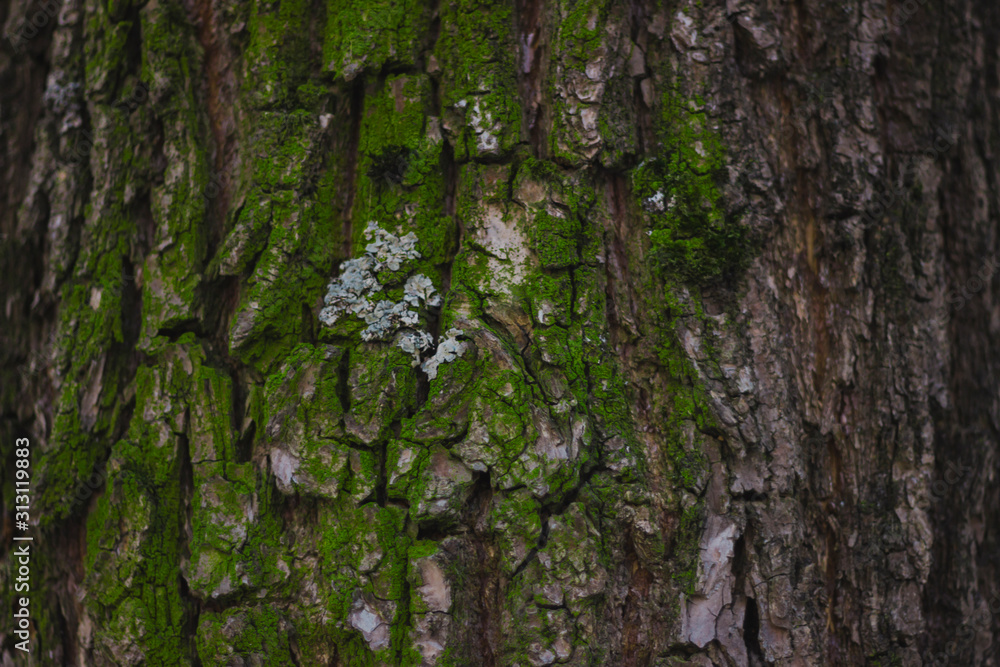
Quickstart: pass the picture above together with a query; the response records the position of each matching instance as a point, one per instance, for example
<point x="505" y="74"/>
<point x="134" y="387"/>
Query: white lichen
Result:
<point x="386" y="318"/>
<point x="388" y="250"/>
<point x="347" y="293"/>
<point x="655" y="203"/>
<point x="448" y="349"/>
<point x="484" y="127"/>
<point x="354" y="292"/>
<point x="415" y="342"/>
<point x="420" y="288"/>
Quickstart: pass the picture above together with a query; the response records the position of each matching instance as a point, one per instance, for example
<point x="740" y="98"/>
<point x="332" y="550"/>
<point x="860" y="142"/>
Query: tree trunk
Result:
<point x="715" y="373"/>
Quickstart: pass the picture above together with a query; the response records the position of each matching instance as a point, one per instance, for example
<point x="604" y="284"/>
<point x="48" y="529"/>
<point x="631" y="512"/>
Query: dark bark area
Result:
<point x="725" y="387"/>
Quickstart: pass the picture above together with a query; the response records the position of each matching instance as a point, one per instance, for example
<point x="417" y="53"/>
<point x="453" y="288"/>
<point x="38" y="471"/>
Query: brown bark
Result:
<point x="726" y="280"/>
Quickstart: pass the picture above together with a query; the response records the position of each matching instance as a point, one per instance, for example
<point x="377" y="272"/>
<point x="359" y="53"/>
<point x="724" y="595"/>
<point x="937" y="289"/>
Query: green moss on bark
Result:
<point x="364" y="35"/>
<point x="693" y="239"/>
<point x="477" y="56"/>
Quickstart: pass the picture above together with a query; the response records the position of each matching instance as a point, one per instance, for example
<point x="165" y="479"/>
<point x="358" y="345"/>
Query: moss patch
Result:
<point x="693" y="238"/>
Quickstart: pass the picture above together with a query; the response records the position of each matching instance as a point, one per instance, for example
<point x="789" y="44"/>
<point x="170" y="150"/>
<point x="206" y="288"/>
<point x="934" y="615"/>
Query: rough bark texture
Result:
<point x="726" y="278"/>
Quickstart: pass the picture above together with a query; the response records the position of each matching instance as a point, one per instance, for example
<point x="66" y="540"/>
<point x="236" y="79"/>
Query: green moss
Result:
<point x="549" y="297"/>
<point x="445" y="414"/>
<point x="693" y="239"/>
<point x="106" y="58"/>
<point x="288" y="229"/>
<point x="581" y="28"/>
<point x="559" y="228"/>
<point x="686" y="547"/>
<point x="137" y="591"/>
<point x="477" y="54"/>
<point x="580" y="35"/>
<point x="688" y="404"/>
<point x="305" y="390"/>
<point x="516" y="520"/>
<point x="89" y="350"/>
<point x="884" y="659"/>
<point x="400" y="175"/>
<point x="257" y="634"/>
<point x="170" y="295"/>
<point x="555" y="240"/>
<point x="210" y="427"/>
<point x="617" y="123"/>
<point x="317" y="643"/>
<point x="367" y="35"/>
<point x="295" y="262"/>
<point x="219" y="541"/>
<point x="363" y="552"/>
<point x="279" y="54"/>
<point x="546" y="172"/>
<point x="504" y="409"/>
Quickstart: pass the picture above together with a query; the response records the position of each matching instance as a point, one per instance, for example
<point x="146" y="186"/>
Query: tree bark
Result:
<point x="725" y="281"/>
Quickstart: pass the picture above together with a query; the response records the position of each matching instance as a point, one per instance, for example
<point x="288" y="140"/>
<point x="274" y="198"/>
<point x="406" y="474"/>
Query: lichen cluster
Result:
<point x="364" y="278"/>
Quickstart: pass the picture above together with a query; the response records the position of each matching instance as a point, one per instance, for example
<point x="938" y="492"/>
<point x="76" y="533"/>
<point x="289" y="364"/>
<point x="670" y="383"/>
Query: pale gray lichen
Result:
<point x="352" y="293"/>
<point x="388" y="250"/>
<point x="658" y="203"/>
<point x="65" y="100"/>
<point x="415" y="342"/>
<point x="448" y="349"/>
<point x="386" y="318"/>
<point x="420" y="287"/>
<point x="347" y="293"/>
